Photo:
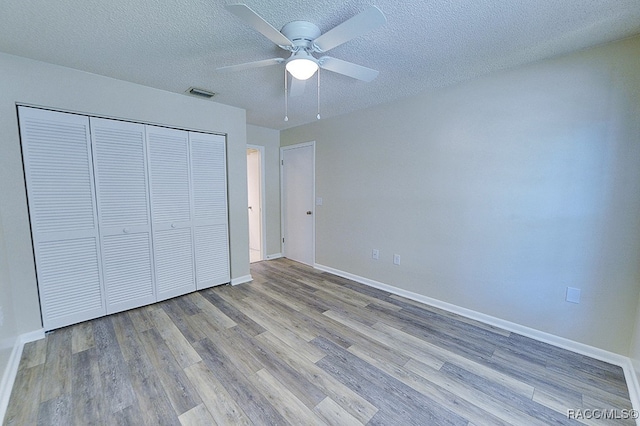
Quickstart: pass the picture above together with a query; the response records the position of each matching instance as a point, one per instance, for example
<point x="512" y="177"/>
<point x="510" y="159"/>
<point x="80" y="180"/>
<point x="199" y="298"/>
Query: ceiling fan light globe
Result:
<point x="302" y="68"/>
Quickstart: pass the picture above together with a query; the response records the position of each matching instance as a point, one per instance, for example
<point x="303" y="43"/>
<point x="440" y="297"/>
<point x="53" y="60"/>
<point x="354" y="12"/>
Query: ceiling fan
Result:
<point x="303" y="39"/>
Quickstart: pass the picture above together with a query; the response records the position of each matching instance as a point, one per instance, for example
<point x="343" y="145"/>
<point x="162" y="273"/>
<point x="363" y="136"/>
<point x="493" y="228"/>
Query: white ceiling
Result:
<point x="173" y="45"/>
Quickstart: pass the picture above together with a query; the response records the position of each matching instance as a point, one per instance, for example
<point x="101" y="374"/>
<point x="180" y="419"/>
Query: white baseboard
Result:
<point x="11" y="370"/>
<point x="241" y="280"/>
<point x="273" y="256"/>
<point x="561" y="342"/>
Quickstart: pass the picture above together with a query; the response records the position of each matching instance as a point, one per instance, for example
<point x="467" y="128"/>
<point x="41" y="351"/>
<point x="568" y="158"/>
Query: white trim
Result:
<point x="561" y="342"/>
<point x="313" y="197"/>
<point x="241" y="280"/>
<point x="263" y="216"/>
<point x="274" y="256"/>
<point x="11" y="370"/>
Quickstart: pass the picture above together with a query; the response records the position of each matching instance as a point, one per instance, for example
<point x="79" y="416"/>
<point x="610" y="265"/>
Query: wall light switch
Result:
<point x="396" y="259"/>
<point x="573" y="295"/>
<point x="318" y="201"/>
<point x="375" y="254"/>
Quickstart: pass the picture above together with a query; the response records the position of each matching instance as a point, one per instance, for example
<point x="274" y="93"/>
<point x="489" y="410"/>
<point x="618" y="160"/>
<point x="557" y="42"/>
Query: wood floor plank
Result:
<point x="81" y="337"/>
<point x="281" y="331"/>
<point x="141" y="317"/>
<point x="255" y="406"/>
<point x="34" y="353"/>
<point x="446" y="356"/>
<point x="24" y="403"/>
<point x="402" y="302"/>
<point x="88" y="395"/>
<point x="176" y="385"/>
<point x="57" y="367"/>
<point x="463" y="390"/>
<point x="182" y="320"/>
<point x="405" y="344"/>
<point x="333" y="414"/>
<point x="397" y="402"/>
<point x="440" y="395"/>
<point x="55" y="411"/>
<point x="345" y="397"/>
<point x="223" y="407"/>
<point x="174" y="339"/>
<point x="197" y="416"/>
<point x="211" y="311"/>
<point x="234" y="314"/>
<point x="114" y="373"/>
<point x="283" y="400"/>
<point x="301" y="346"/>
<point x="151" y="397"/>
<point x="242" y="346"/>
<point x="505" y="396"/>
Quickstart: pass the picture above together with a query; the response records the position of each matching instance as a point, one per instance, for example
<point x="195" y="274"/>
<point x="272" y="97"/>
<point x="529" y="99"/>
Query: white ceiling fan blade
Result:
<point x="247" y="14"/>
<point x="249" y="65"/>
<point x="347" y="68"/>
<point x="296" y="87"/>
<point x="358" y="25"/>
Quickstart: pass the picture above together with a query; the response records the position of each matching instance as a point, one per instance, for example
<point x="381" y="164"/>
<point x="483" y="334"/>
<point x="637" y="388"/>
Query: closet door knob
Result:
<point x="173" y="225"/>
<point x="125" y="230"/>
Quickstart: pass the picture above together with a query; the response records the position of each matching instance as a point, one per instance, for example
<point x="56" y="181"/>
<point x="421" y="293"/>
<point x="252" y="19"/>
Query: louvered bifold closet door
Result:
<point x="123" y="211"/>
<point x="171" y="213"/>
<point x="209" y="177"/>
<point x="64" y="224"/>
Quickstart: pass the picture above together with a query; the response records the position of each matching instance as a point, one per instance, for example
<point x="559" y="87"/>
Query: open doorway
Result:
<point x="255" y="180"/>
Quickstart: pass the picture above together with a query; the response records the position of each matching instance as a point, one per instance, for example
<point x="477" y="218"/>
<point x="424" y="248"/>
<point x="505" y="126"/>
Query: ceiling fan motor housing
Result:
<point x="302" y="34"/>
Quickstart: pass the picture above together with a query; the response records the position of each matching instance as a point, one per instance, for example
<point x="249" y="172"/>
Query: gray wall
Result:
<point x="270" y="140"/>
<point x="498" y="193"/>
<point x="37" y="83"/>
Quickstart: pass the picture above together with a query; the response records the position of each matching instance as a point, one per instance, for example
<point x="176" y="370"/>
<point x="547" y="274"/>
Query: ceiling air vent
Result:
<point x="200" y="92"/>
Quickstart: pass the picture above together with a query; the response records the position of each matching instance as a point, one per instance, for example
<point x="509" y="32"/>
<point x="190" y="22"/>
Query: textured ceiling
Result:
<point x="173" y="45"/>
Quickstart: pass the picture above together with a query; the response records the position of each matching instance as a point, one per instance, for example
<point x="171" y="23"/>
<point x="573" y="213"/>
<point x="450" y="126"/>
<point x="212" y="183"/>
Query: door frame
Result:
<point x="263" y="236"/>
<point x="313" y="197"/>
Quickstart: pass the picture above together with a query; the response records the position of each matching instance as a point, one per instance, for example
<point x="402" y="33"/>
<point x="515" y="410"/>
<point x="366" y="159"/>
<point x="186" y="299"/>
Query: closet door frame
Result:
<point x="202" y="272"/>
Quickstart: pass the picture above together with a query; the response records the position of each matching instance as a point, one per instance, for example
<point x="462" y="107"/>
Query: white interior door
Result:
<point x="298" y="194"/>
<point x="254" y="189"/>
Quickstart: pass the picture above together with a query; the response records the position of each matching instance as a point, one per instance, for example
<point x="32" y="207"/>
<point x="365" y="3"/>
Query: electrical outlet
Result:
<point x="375" y="254"/>
<point x="573" y="295"/>
<point x="396" y="259"/>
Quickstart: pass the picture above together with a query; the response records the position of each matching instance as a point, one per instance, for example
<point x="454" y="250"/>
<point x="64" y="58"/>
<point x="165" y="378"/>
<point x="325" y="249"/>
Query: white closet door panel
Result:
<point x="212" y="256"/>
<point x="208" y="164"/>
<point x="123" y="211"/>
<point x="120" y="173"/>
<point x="209" y="176"/>
<point x="128" y="271"/>
<point x="69" y="281"/>
<point x="58" y="170"/>
<point x="169" y="173"/>
<point x="173" y="250"/>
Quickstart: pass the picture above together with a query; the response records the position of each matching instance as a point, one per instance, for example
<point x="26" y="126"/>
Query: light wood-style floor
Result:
<point x="297" y="346"/>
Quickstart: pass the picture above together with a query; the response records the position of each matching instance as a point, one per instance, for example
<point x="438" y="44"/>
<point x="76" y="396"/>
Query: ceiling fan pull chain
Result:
<point x="286" y="101"/>
<point x="318" y="116"/>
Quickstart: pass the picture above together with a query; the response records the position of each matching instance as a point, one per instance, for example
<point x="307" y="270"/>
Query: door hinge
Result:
<point x="282" y="162"/>
<point x="283" y="239"/>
